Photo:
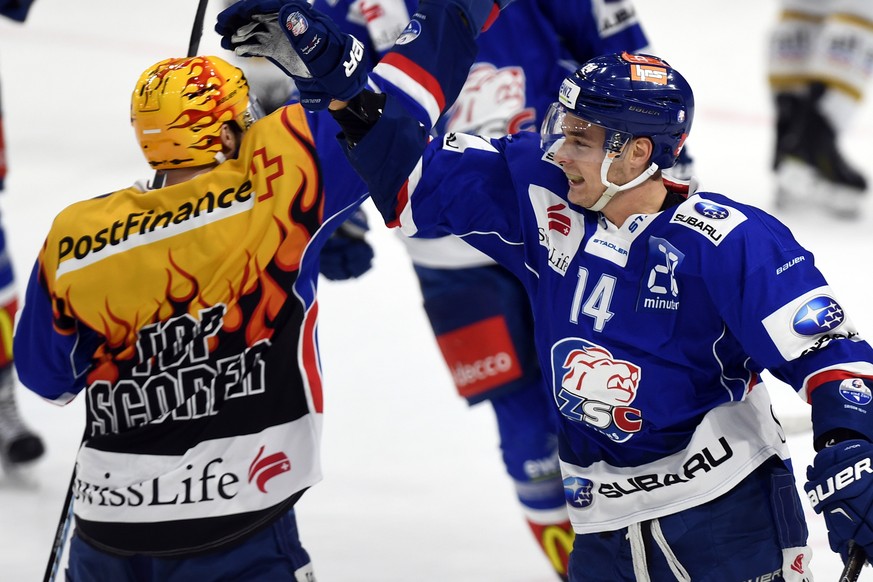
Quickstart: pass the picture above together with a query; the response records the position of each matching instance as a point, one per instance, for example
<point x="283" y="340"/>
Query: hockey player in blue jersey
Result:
<point x="479" y="311"/>
<point x="655" y="312"/>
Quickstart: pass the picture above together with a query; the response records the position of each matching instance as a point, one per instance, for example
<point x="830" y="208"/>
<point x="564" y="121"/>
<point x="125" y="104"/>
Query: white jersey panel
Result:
<point x="731" y="441"/>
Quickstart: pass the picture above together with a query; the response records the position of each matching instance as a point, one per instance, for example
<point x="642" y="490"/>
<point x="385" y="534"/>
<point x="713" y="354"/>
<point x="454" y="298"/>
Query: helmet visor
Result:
<point x="582" y="140"/>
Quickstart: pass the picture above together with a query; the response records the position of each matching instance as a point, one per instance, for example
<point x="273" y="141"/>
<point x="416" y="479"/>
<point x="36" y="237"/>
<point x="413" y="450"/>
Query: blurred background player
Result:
<point x="18" y="443"/>
<point x="479" y="311"/>
<point x="821" y="59"/>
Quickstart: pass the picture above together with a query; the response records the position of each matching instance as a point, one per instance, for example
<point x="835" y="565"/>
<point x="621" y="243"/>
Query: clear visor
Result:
<point x="579" y="139"/>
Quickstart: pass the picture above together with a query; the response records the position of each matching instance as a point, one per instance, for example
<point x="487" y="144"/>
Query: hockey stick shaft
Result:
<point x="197" y="28"/>
<point x="856" y="560"/>
<point x="54" y="561"/>
<point x="193" y="49"/>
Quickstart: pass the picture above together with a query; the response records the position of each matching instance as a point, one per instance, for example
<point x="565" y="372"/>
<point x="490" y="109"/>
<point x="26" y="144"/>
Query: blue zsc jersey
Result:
<point x="651" y="335"/>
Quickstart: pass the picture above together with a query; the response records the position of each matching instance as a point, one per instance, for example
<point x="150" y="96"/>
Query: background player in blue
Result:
<point x="655" y="314"/>
<point x="479" y="311"/>
<point x="18" y="443"/>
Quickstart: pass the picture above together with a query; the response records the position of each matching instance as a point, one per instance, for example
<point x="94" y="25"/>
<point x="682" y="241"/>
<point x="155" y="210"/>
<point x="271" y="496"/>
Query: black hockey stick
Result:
<point x="54" y="561"/>
<point x="193" y="48"/>
<point x="856" y="560"/>
<point x="197" y="28"/>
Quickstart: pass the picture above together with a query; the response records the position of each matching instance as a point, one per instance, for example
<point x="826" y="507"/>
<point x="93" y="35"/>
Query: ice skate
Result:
<point x="18" y="444"/>
<point x="809" y="166"/>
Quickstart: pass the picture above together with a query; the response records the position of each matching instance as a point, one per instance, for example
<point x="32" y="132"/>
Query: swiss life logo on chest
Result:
<point x="560" y="228"/>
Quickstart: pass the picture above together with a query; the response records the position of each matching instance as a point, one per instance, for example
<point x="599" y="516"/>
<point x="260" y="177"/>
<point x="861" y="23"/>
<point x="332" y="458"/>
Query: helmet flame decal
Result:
<point x="179" y="106"/>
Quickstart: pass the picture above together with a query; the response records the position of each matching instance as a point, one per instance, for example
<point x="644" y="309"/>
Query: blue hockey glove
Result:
<point x="324" y="62"/>
<point x="346" y="254"/>
<point x="840" y="487"/>
<point x="251" y="29"/>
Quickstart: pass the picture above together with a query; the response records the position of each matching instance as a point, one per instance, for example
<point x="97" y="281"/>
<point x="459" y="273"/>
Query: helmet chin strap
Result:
<point x="613" y="189"/>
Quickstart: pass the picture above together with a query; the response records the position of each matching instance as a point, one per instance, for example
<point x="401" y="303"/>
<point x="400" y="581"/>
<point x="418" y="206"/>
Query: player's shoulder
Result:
<point x="79" y="223"/>
<point x="287" y="119"/>
<point x="717" y="219"/>
<point x="522" y="151"/>
<point x="527" y="144"/>
<point x="87" y="207"/>
<point x="520" y="144"/>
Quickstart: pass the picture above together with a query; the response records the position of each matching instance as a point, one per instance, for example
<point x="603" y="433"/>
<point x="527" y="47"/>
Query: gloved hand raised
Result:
<point x="840" y="487"/>
<point x="324" y="62"/>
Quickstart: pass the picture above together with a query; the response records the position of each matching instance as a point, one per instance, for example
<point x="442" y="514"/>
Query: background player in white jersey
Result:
<point x="185" y="310"/>
<point x="655" y="314"/>
<point x="821" y="59"/>
<point x="18" y="443"/>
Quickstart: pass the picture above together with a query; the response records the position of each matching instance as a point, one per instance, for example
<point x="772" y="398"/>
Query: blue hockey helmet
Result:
<point x="631" y="95"/>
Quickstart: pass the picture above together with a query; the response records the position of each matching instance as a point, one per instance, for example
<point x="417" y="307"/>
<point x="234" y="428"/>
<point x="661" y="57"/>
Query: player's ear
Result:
<point x="230" y="140"/>
<point x="641" y="151"/>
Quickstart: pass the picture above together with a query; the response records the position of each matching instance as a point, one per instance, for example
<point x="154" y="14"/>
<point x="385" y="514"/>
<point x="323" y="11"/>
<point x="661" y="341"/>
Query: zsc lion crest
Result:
<point x="591" y="386"/>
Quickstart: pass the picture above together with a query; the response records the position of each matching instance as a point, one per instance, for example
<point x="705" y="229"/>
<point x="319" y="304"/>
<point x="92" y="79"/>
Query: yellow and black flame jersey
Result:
<point x="188" y="314"/>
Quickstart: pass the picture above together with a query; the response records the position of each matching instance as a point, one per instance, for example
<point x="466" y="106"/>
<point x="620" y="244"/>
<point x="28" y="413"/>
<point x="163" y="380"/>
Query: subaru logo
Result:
<point x="818" y="315"/>
<point x="712" y="210"/>
<point x="577" y="491"/>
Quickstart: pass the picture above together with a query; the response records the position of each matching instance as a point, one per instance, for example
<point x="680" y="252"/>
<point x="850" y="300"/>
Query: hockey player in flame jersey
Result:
<point x="185" y="311"/>
<point x="704" y="489"/>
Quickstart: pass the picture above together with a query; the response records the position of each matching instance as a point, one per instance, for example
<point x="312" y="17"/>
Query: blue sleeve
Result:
<point x="788" y="318"/>
<point x="460" y="184"/>
<point x="341" y="183"/>
<point x="50" y="363"/>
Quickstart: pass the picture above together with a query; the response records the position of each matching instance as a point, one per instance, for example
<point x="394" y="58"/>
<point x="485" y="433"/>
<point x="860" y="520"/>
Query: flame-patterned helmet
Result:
<point x="179" y="106"/>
